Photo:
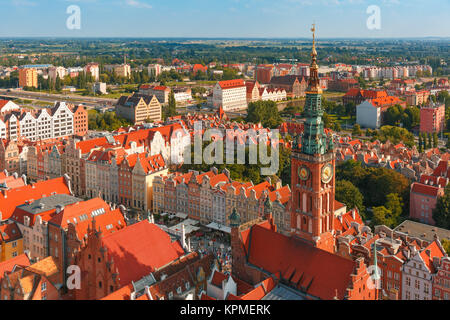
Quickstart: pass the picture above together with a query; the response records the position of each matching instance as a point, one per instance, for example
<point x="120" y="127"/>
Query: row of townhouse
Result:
<point x="50" y="221"/>
<point x="42" y="160"/>
<point x="394" y="72"/>
<point x="169" y="141"/>
<point x="61" y="120"/>
<point x="125" y="179"/>
<point x="212" y="197"/>
<point x="411" y="266"/>
<point x="255" y="92"/>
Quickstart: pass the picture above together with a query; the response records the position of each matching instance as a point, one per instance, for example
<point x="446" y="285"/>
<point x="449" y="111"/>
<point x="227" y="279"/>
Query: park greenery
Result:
<point x="245" y="172"/>
<point x="107" y="121"/>
<point x="383" y="192"/>
<point x="441" y="214"/>
<point x="264" y="112"/>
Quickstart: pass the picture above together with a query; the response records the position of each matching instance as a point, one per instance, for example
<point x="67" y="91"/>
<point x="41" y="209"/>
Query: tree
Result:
<point x="264" y="112"/>
<point x="357" y="130"/>
<point x="382" y="216"/>
<point x="327" y="121"/>
<point x="393" y="115"/>
<point x="58" y="84"/>
<point x="435" y="140"/>
<point x="441" y="213"/>
<point x="430" y="144"/>
<point x="171" y="109"/>
<point x="420" y="143"/>
<point x="337" y="127"/>
<point x="394" y="204"/>
<point x="347" y="193"/>
<point x="446" y="245"/>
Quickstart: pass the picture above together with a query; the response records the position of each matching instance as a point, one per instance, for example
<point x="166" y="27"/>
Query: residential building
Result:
<point x="11" y="241"/>
<point x="231" y="95"/>
<point x="56" y="72"/>
<point x="416" y="98"/>
<point x="99" y="88"/>
<point x="432" y="118"/>
<point x="123" y="70"/>
<point x="139" y="108"/>
<point x="161" y="92"/>
<point x="105" y="268"/>
<point x="264" y="73"/>
<point x="295" y="86"/>
<point x="182" y="95"/>
<point x="39" y="281"/>
<point x="154" y="70"/>
<point x="419" y="270"/>
<point x="368" y="115"/>
<point x="28" y="77"/>
<point x="183" y="279"/>
<point x="32" y="219"/>
<point x="11" y="199"/>
<point x="441" y="280"/>
<point x="68" y="228"/>
<point x="93" y="70"/>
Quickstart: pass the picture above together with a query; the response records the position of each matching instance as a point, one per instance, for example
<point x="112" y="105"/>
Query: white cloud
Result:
<point x="138" y="4"/>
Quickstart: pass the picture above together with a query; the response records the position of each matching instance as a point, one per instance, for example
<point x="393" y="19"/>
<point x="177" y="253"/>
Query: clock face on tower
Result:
<point x="327" y="173"/>
<point x="303" y="173"/>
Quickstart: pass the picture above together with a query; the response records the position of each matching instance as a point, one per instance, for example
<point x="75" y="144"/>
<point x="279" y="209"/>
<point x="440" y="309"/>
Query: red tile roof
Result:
<point x="218" y="278"/>
<point x="10" y="232"/>
<point x="230" y="84"/>
<point x="140" y="249"/>
<point x="279" y="254"/>
<point x="8" y="265"/>
<point x="427" y="254"/>
<point x="10" y="199"/>
<point x="425" y="189"/>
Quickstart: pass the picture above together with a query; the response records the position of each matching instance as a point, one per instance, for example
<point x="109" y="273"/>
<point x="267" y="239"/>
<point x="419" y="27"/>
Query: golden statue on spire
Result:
<point x="314" y="82"/>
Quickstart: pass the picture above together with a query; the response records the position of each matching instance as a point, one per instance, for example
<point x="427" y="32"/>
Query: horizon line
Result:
<point x="223" y="38"/>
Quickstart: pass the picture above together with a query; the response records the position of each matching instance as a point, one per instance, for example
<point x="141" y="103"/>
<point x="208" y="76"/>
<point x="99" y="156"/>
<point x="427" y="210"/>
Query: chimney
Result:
<point x="24" y="178"/>
<point x="183" y="237"/>
<point x="354" y="214"/>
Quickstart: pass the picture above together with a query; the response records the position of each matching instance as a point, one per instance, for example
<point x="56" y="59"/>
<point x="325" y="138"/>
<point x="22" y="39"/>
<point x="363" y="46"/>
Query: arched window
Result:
<point x="304" y="202"/>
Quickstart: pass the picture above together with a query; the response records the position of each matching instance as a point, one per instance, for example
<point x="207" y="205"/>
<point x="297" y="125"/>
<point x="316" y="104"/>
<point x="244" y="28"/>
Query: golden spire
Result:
<point x="314" y="82"/>
<point x="313" y="30"/>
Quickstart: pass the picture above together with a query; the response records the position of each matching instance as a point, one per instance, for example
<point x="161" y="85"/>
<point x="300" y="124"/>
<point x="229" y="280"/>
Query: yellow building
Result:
<point x="28" y="78"/>
<point x="11" y="241"/>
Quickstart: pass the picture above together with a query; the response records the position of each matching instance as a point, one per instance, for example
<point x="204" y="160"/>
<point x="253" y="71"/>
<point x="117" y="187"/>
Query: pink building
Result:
<point x="423" y="200"/>
<point x="432" y="118"/>
<point x="441" y="281"/>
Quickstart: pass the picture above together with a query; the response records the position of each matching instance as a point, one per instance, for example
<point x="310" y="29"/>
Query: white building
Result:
<point x="417" y="273"/>
<point x="154" y="69"/>
<point x="231" y="95"/>
<point x="368" y="115"/>
<point x="182" y="96"/>
<point x="54" y="72"/>
<point x="100" y="87"/>
<point x="94" y="70"/>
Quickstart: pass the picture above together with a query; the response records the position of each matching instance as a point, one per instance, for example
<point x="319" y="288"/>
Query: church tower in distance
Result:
<point x="313" y="171"/>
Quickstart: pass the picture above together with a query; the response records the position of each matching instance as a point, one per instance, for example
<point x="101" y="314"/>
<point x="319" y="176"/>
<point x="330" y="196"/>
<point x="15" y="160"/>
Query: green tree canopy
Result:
<point x="441" y="213"/>
<point x="350" y="195"/>
<point x="265" y="112"/>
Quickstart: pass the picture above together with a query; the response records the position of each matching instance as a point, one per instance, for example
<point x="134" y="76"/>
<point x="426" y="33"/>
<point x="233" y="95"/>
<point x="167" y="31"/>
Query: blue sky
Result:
<point x="225" y="18"/>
